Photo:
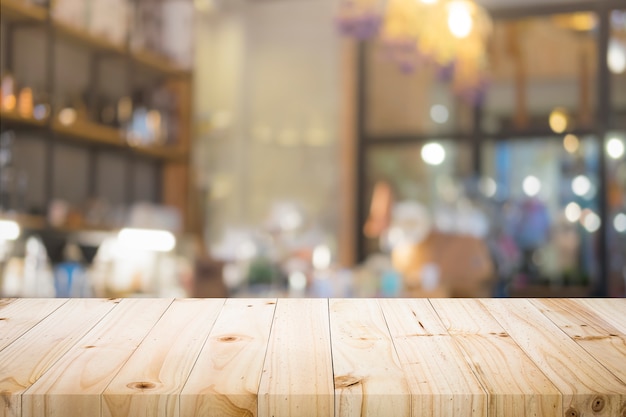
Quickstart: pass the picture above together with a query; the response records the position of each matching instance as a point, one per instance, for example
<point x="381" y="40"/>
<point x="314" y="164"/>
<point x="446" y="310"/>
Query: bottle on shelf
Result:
<point x="8" y="100"/>
<point x="25" y="103"/>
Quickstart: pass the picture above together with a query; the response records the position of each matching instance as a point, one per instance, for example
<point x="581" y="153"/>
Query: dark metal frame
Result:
<point x="603" y="123"/>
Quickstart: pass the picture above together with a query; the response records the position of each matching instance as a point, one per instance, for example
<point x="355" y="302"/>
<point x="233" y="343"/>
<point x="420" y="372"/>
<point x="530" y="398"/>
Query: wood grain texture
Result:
<point x="74" y="385"/>
<point x="18" y="316"/>
<point x="151" y="380"/>
<point x="603" y="341"/>
<point x="24" y="361"/>
<point x="292" y="383"/>
<point x="587" y="387"/>
<point x="516" y="386"/>
<point x="369" y="380"/>
<point x="613" y="310"/>
<point x="225" y="379"/>
<point x="441" y="382"/>
<point x="312" y="357"/>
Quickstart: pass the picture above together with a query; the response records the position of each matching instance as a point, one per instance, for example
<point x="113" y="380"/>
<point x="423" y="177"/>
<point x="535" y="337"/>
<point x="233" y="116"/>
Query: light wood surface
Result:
<point x="312" y="357"/>
<point x="516" y="386"/>
<point x="226" y="377"/>
<point x="151" y="380"/>
<point x="18" y="316"/>
<point x="588" y="388"/>
<point x="441" y="382"/>
<point x="365" y="363"/>
<point x="297" y="377"/>
<point x="37" y="350"/>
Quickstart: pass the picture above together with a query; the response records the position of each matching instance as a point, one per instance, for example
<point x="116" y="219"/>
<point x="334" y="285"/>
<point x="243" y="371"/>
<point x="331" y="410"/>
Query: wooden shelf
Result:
<point x="146" y="58"/>
<point x="15" y="117"/>
<point x="22" y="10"/>
<point x="157" y="62"/>
<point x="87" y="131"/>
<point x="40" y="223"/>
<point x="26" y="221"/>
<point x="84" y="37"/>
<point x="171" y="153"/>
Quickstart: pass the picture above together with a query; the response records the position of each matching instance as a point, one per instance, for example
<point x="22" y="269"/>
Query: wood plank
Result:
<point x="369" y="380"/>
<point x="292" y="384"/>
<point x="587" y="387"/>
<point x="225" y="379"/>
<point x="22" y="11"/>
<point x="516" y="386"/>
<point x="17" y="317"/>
<point x="603" y="341"/>
<point x="87" y="131"/>
<point x="613" y="310"/>
<point x="152" y="379"/>
<point x="73" y="386"/>
<point x="24" y="361"/>
<point x="14" y="117"/>
<point x="82" y="36"/>
<point x="441" y="381"/>
<point x="158" y="62"/>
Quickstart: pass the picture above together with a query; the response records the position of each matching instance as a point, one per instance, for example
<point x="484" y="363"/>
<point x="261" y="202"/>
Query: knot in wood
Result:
<point x="572" y="412"/>
<point x="228" y="339"/>
<point x="142" y="385"/>
<point x="346" y="381"/>
<point x="598" y="404"/>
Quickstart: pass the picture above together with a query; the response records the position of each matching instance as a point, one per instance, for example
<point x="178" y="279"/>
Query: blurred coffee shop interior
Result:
<point x="318" y="148"/>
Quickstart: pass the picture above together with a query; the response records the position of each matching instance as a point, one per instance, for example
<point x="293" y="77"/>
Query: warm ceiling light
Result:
<point x="615" y="148"/>
<point x="451" y="35"/>
<point x="571" y="143"/>
<point x="67" y="116"/>
<point x="460" y="20"/>
<point x="558" y="120"/>
<point x="433" y="153"/>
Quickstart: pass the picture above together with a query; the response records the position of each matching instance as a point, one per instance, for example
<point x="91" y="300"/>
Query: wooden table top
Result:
<point x="313" y="357"/>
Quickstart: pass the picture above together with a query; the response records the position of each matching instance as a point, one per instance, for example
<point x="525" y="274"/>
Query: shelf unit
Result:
<point x="23" y="11"/>
<point x="172" y="160"/>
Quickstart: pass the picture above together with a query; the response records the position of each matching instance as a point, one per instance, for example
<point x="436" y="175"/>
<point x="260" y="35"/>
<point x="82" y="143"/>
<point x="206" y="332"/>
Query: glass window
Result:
<point x="430" y="174"/>
<point x="616" y="226"/>
<point x="413" y="103"/>
<point x="616" y="60"/>
<point x="543" y="74"/>
<point x="542" y="196"/>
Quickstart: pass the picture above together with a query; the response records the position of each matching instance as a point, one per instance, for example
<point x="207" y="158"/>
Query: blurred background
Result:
<point x="319" y="148"/>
